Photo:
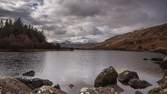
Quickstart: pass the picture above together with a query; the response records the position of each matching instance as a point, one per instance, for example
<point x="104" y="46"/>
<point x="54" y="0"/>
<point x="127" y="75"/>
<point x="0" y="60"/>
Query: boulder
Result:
<point x="48" y="90"/>
<point x="36" y="82"/>
<point x="107" y="77"/>
<point x="13" y="86"/>
<point x="138" y="84"/>
<point x="126" y="76"/>
<point x="30" y="73"/>
<point x="100" y="90"/>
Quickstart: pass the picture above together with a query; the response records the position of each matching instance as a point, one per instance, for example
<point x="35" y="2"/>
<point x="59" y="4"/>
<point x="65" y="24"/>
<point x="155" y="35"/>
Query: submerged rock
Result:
<point x="30" y="73"/>
<point x="101" y="90"/>
<point x="139" y="84"/>
<point x="13" y="86"/>
<point x="126" y="76"/>
<point x="107" y="77"/>
<point x="71" y="86"/>
<point x="48" y="90"/>
<point x="35" y="83"/>
<point x="163" y="64"/>
<point x="138" y="92"/>
<point x="157" y="59"/>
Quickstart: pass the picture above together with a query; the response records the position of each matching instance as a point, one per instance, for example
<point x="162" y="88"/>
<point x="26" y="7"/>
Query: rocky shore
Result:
<point x="10" y="85"/>
<point x="105" y="83"/>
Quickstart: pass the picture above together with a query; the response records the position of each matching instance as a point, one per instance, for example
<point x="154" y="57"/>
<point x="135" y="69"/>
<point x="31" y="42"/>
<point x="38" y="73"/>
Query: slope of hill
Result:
<point x="16" y="35"/>
<point x="150" y="39"/>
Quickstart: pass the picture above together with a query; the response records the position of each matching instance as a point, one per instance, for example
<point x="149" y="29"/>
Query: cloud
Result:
<point x="86" y="20"/>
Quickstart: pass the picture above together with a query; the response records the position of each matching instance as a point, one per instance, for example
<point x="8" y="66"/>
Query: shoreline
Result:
<point x="33" y="50"/>
<point x="164" y="52"/>
<point x="158" y="52"/>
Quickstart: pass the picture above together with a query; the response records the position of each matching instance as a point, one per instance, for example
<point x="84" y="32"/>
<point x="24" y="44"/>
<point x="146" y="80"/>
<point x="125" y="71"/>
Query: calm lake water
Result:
<point x="79" y="68"/>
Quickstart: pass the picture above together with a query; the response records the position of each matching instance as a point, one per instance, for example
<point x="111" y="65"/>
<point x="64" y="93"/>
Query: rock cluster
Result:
<point x="162" y="89"/>
<point x="10" y="85"/>
<point x="132" y="79"/>
<point x="48" y="90"/>
<point x="106" y="82"/>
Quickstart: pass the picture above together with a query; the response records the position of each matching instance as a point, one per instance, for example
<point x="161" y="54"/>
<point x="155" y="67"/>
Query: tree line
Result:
<point x="9" y="27"/>
<point x="16" y="35"/>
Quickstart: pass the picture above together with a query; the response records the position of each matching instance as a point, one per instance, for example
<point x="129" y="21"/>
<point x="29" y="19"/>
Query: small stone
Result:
<point x="71" y="85"/>
<point x="57" y="86"/>
<point x="30" y="73"/>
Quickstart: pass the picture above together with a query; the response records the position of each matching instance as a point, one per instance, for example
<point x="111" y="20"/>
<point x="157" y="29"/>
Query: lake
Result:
<point x="79" y="68"/>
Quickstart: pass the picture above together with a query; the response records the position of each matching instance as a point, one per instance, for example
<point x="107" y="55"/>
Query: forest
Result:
<point x="17" y="35"/>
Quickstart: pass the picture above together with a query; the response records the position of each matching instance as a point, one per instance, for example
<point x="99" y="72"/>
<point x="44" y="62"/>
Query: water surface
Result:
<point x="79" y="67"/>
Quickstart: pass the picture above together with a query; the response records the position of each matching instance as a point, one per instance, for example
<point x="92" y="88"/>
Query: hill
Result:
<point x="150" y="39"/>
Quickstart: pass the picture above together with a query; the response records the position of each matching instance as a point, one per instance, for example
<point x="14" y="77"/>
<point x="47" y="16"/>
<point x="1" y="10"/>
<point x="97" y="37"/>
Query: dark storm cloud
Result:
<point x="82" y="8"/>
<point x="86" y="19"/>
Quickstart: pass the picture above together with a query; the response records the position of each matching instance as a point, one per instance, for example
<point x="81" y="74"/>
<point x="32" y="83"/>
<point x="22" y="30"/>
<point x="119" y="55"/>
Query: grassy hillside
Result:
<point x="150" y="39"/>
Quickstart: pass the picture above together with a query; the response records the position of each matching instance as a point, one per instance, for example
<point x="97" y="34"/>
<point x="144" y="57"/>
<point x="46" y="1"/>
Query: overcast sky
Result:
<point x="86" y="20"/>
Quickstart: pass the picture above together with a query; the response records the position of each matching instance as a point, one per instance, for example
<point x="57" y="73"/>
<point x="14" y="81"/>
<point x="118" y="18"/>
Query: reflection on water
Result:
<point x="13" y="64"/>
<point x="78" y="67"/>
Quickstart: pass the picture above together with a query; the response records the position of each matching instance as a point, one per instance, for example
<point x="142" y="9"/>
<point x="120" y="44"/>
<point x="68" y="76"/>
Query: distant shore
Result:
<point x="33" y="50"/>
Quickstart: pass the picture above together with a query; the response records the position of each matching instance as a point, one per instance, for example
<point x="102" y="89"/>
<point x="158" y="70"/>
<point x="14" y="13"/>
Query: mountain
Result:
<point x="149" y="39"/>
<point x="16" y="36"/>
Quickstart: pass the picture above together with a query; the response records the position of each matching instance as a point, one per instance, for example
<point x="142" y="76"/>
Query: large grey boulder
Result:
<point x="48" y="90"/>
<point x="107" y="77"/>
<point x="126" y="76"/>
<point x="13" y="86"/>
